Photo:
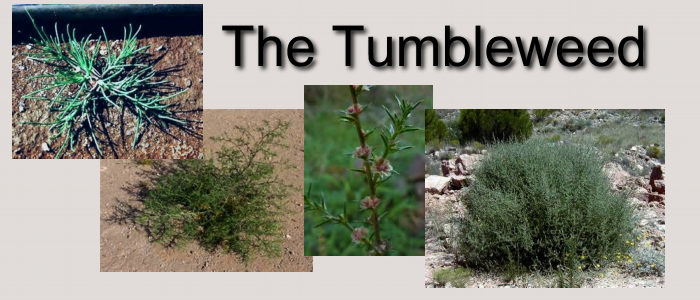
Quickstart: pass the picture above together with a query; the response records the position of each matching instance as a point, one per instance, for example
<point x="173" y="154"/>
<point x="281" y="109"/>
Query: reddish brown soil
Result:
<point x="182" y="52"/>
<point x="125" y="247"/>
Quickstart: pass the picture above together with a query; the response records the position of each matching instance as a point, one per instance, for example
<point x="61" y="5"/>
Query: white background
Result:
<point x="49" y="210"/>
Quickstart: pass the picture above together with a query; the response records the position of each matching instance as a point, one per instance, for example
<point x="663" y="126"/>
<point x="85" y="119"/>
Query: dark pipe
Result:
<point x="154" y="19"/>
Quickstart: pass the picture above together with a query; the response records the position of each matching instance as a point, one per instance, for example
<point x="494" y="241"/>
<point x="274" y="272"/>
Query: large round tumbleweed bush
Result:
<point x="233" y="201"/>
<point x="538" y="204"/>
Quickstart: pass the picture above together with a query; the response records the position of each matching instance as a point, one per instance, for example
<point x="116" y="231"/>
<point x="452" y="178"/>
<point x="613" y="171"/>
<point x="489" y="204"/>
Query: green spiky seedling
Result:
<point x="88" y="76"/>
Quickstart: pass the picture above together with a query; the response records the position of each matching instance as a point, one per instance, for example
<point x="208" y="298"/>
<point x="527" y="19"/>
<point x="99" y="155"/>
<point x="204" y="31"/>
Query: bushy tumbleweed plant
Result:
<point x="232" y="201"/>
<point x="543" y="205"/>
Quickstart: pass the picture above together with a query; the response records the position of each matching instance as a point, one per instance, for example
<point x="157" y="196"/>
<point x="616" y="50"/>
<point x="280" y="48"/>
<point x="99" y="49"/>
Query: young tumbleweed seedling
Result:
<point x="376" y="169"/>
<point x="232" y="201"/>
<point x="87" y="76"/>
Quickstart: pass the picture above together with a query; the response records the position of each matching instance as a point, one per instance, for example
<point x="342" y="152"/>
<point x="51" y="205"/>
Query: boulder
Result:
<point x="617" y="175"/>
<point x="469" y="162"/>
<point x="656" y="197"/>
<point x="436" y="184"/>
<point x="460" y="168"/>
<point x="458" y="182"/>
<point x="659" y="186"/>
<point x="657" y="174"/>
<point x="445" y="167"/>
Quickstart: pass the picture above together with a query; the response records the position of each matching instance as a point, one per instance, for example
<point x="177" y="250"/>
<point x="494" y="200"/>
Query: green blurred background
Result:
<point x="328" y="145"/>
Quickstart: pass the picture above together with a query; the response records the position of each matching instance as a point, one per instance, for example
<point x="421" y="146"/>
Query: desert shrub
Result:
<point x="478" y="146"/>
<point x="540" y="114"/>
<point x="576" y="124"/>
<point x="432" y="167"/>
<point x="645" y="261"/>
<point x="654" y="151"/>
<point x="612" y="137"/>
<point x="445" y="155"/>
<point x="604" y="140"/>
<point x="488" y="125"/>
<point x="232" y="202"/>
<point x="457" y="277"/>
<point x="554" y="138"/>
<point x="435" y="129"/>
<point x="536" y="203"/>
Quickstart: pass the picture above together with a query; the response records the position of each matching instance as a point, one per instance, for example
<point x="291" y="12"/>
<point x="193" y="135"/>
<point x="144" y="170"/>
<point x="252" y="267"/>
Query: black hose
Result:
<point x="154" y="19"/>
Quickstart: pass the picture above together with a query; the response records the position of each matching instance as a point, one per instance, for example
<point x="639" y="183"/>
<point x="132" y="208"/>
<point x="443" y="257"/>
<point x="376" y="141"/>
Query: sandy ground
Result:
<point x="182" y="53"/>
<point x="125" y="247"/>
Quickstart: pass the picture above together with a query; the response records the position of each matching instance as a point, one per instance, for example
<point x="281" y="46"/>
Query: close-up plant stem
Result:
<point x="368" y="168"/>
<point x="375" y="169"/>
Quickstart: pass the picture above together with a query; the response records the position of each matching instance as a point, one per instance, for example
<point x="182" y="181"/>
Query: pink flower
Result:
<point x="382" y="167"/>
<point x="370" y="202"/>
<point x="358" y="234"/>
<point x="354" y="109"/>
<point x="363" y="151"/>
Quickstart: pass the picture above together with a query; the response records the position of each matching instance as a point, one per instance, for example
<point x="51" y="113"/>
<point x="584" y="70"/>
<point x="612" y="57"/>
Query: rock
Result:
<point x="659" y="186"/>
<point x="458" y="182"/>
<point x="45" y="147"/>
<point x="160" y="48"/>
<point x="617" y="175"/>
<point x="436" y="184"/>
<point x="656" y="197"/>
<point x="460" y="168"/>
<point x="447" y="228"/>
<point x="657" y="173"/>
<point x="445" y="167"/>
<point x="22" y="106"/>
<point x="470" y="161"/>
<point x="636" y="202"/>
<point x="289" y="237"/>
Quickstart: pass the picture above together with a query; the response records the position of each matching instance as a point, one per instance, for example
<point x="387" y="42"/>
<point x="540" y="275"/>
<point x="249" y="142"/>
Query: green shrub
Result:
<point x="435" y="129"/>
<point x="604" y="140"/>
<point x="488" y="125"/>
<point x="536" y="203"/>
<point x="575" y="124"/>
<point x="232" y="202"/>
<point x="478" y="146"/>
<point x="541" y="114"/>
<point x="645" y="261"/>
<point x="654" y="151"/>
<point x="554" y="138"/>
<point x="457" y="277"/>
